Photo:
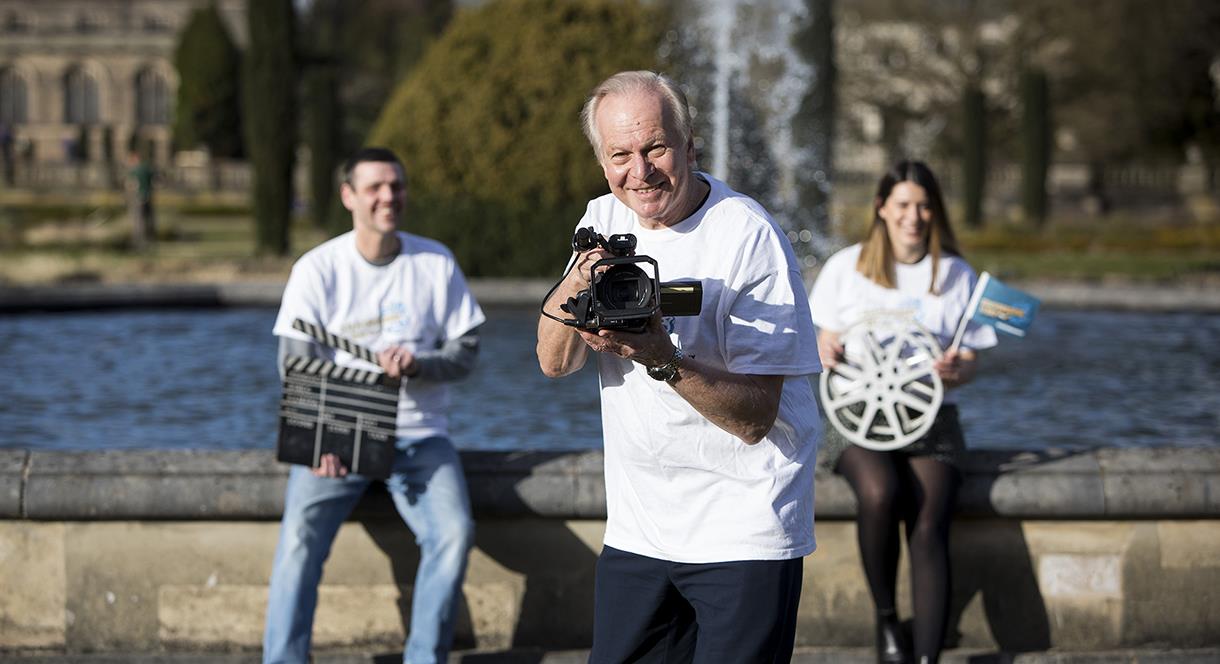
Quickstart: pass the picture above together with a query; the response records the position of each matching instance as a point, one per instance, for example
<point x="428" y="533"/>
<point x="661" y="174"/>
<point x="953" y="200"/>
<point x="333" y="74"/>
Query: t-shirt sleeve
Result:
<point x="824" y="297"/>
<point x="302" y="299"/>
<point x="462" y="313"/>
<point x="767" y="329"/>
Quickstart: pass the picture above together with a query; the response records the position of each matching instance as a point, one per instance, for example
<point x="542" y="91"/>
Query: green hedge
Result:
<point x="488" y="125"/>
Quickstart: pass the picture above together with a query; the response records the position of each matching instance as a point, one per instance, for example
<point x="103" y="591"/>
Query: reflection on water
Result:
<point x="207" y="379"/>
<point x="1100" y="378"/>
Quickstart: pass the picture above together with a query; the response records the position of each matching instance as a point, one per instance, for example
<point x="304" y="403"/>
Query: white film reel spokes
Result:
<point x="884" y="394"/>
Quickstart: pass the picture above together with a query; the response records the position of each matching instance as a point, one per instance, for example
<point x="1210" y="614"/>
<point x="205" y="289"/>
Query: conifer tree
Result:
<point x="1036" y="144"/>
<point x="271" y="119"/>
<point x="974" y="156"/>
<point x="321" y="97"/>
<point x="322" y="127"/>
<point x="208" y="109"/>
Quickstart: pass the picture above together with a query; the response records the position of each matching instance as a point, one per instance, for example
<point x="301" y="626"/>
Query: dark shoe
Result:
<point x="892" y="645"/>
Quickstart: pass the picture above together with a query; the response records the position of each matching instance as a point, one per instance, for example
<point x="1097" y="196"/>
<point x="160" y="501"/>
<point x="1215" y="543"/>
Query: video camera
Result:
<point x="624" y="296"/>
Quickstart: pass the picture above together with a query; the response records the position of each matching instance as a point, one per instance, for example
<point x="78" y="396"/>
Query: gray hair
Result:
<point x="627" y="82"/>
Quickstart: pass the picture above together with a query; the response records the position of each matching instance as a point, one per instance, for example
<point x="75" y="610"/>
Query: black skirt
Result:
<point x="943" y="442"/>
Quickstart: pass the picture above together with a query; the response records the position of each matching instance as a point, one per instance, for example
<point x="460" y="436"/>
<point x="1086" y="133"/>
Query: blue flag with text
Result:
<point x="1006" y="309"/>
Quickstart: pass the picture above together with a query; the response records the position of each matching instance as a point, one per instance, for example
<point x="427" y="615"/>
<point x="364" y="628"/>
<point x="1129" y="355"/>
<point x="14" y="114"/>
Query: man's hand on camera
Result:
<point x="651" y="348"/>
<point x="578" y="278"/>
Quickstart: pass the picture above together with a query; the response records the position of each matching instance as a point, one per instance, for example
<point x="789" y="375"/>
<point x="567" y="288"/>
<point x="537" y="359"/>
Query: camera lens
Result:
<point x="623" y="287"/>
<point x="624" y="291"/>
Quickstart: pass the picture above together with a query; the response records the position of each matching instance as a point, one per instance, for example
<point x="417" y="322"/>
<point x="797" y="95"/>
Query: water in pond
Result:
<point x="207" y="379"/>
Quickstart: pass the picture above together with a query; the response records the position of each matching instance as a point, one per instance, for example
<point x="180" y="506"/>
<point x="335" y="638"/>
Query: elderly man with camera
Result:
<point x="709" y="421"/>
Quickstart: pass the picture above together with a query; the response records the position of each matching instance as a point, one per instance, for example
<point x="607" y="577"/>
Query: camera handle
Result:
<point x="578" y="307"/>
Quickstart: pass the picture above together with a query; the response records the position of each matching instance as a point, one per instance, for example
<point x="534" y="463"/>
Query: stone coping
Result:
<point x="1144" y="483"/>
<point x="66" y="297"/>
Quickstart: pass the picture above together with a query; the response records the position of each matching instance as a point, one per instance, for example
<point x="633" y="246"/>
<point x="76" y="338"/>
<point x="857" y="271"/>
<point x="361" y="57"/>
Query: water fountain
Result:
<point x="757" y="97"/>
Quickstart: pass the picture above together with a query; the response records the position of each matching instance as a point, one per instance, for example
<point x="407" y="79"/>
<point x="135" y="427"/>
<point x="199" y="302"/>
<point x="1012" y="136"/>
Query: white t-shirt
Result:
<point x="841" y="296"/>
<point x="678" y="487"/>
<point x="418" y="301"/>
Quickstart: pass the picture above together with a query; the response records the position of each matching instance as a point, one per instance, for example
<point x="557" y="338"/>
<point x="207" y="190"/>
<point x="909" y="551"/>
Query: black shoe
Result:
<point x="892" y="645"/>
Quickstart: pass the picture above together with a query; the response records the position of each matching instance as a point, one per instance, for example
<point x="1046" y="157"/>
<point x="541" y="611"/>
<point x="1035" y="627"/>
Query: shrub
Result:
<point x="488" y="126"/>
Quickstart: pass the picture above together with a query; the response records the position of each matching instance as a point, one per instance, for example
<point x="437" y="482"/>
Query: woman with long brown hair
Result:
<point x="908" y="261"/>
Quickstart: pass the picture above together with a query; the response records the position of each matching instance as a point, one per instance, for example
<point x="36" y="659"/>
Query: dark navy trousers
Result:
<point x="657" y="611"/>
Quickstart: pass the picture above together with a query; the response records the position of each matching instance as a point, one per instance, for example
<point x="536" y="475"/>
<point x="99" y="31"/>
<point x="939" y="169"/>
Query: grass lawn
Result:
<point x="1087" y="266"/>
<point x="216" y="244"/>
<point x="1097" y="249"/>
<point x="191" y="248"/>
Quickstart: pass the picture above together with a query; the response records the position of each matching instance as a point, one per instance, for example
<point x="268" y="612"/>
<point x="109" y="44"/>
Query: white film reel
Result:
<point x="884" y="394"/>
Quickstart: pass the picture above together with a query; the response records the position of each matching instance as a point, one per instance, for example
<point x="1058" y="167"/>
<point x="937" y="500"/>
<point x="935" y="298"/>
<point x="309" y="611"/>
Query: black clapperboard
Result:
<point x="329" y="409"/>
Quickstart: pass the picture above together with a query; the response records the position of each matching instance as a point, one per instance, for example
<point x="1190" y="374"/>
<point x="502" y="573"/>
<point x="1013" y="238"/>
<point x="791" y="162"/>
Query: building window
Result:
<point x="16" y="23"/>
<point x="152" y="98"/>
<point x="89" y="22"/>
<point x="80" y="97"/>
<point x="155" y="23"/>
<point x="13" y="102"/>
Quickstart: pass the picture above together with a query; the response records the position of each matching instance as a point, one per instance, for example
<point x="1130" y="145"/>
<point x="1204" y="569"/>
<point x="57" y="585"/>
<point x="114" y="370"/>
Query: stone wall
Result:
<point x="170" y="552"/>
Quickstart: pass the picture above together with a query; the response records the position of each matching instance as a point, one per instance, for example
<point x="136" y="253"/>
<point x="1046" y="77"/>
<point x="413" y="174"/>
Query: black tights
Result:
<point x="919" y="490"/>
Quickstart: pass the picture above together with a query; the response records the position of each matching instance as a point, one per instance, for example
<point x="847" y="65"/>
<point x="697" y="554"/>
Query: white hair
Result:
<point x="628" y="82"/>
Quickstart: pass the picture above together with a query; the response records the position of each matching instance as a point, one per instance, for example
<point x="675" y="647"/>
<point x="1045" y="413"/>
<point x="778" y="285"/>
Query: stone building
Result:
<point x="81" y="80"/>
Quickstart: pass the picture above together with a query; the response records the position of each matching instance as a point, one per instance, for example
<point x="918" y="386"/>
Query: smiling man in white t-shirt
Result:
<point x="709" y="422"/>
<point x="404" y="297"/>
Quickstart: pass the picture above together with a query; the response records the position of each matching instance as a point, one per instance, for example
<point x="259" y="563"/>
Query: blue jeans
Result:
<point x="429" y="491"/>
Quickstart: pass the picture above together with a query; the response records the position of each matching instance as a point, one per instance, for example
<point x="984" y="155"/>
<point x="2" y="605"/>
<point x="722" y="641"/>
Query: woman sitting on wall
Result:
<point x="909" y="261"/>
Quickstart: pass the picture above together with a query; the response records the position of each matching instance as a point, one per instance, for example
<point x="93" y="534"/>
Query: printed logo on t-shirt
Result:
<point x="394" y="318"/>
<point x="361" y="330"/>
<point x="393" y="321"/>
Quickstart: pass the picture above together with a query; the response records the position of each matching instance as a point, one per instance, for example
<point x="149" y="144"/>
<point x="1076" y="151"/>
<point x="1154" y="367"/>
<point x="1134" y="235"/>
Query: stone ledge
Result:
<point x="1132" y="296"/>
<point x="225" y="485"/>
<point x="12" y="469"/>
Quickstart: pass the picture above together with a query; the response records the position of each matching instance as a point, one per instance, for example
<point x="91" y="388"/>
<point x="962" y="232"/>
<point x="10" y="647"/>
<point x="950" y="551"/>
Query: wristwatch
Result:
<point x="668" y="371"/>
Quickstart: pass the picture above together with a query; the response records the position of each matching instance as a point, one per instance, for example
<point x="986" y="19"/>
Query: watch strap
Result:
<point x="669" y="371"/>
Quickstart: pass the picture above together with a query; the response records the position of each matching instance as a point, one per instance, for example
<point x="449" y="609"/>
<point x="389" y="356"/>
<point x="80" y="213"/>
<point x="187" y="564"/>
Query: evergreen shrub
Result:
<point x="208" y="108"/>
<point x="488" y="126"/>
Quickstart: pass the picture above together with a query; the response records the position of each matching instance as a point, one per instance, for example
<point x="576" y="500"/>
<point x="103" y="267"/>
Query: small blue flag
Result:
<point x="1006" y="309"/>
